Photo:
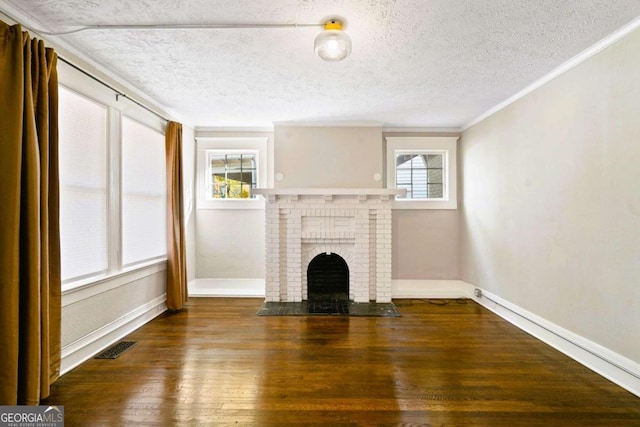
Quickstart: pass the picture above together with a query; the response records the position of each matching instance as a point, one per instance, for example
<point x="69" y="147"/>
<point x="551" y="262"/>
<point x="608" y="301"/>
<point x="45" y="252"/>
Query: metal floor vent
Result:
<point x="116" y="350"/>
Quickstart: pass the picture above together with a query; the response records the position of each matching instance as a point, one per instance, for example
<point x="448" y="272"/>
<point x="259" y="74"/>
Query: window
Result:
<point x="426" y="168"/>
<point x="83" y="186"/>
<point x="229" y="169"/>
<point x="232" y="176"/>
<point x="112" y="183"/>
<point x="143" y="193"/>
<point x="421" y="174"/>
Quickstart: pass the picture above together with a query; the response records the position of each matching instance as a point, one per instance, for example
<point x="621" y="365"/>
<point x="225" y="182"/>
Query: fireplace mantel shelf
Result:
<point x="328" y="191"/>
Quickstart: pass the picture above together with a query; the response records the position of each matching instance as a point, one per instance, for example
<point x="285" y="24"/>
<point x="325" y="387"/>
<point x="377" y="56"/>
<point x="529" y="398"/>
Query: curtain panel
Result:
<point x="30" y="288"/>
<point x="176" y="257"/>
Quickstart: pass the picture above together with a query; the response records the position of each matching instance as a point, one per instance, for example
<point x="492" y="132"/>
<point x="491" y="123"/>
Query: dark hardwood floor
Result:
<point x="217" y="363"/>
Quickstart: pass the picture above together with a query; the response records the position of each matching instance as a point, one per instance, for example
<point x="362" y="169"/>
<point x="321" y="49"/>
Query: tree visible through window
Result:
<point x="421" y="175"/>
<point x="232" y="176"/>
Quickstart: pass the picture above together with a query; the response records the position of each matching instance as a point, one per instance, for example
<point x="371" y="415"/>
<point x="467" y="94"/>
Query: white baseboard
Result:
<point x="85" y="348"/>
<point x="247" y="288"/>
<point x="255" y="288"/>
<point x="611" y="365"/>
<point x="430" y="289"/>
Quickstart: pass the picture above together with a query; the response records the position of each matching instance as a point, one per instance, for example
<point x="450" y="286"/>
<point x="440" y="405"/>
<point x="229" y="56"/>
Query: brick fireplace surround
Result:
<point x="352" y="223"/>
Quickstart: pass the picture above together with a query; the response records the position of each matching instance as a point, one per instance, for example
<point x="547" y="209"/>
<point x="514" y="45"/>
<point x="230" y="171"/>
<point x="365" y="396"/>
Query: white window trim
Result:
<point x="84" y="86"/>
<point x="425" y="145"/>
<point x="231" y="145"/>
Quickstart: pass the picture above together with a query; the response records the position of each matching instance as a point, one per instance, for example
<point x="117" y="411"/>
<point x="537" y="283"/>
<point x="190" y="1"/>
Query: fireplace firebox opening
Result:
<point x="328" y="278"/>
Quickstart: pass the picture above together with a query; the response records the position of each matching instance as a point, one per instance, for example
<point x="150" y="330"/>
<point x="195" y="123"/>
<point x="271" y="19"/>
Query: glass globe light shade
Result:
<point x="332" y="45"/>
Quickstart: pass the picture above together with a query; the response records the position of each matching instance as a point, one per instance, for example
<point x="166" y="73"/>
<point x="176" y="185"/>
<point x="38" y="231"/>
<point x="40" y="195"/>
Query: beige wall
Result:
<point x="229" y="244"/>
<point x="88" y="316"/>
<point x="426" y="244"/>
<point x="328" y="157"/>
<point x="551" y="204"/>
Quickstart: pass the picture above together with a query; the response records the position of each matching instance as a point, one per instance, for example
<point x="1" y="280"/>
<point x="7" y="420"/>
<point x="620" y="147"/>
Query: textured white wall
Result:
<point x="551" y="204"/>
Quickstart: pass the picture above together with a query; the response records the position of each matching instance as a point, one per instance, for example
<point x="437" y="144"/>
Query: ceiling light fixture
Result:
<point x="332" y="44"/>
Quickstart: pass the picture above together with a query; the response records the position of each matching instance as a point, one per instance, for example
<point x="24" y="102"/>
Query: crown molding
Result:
<point x="234" y="129"/>
<point x="86" y="63"/>
<point x="363" y="123"/>
<point x="394" y="129"/>
<point x="563" y="68"/>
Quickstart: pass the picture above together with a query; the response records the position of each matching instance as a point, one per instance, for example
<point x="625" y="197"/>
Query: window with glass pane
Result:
<point x="231" y="176"/>
<point x="143" y="193"/>
<point x="422" y="175"/>
<point x="83" y="186"/>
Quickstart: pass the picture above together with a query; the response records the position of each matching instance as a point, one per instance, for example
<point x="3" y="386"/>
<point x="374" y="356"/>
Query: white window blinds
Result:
<point x="83" y="186"/>
<point x="143" y="193"/>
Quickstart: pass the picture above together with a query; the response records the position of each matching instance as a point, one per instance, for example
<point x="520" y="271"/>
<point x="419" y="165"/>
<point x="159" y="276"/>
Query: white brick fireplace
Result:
<point x="352" y="223"/>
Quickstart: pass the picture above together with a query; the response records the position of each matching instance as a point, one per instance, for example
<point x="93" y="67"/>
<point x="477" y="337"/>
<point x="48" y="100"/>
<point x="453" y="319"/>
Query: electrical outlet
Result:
<point x="477" y="292"/>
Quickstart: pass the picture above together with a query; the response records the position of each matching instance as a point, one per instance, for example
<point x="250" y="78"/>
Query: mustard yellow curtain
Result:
<point x="176" y="258"/>
<point x="29" y="225"/>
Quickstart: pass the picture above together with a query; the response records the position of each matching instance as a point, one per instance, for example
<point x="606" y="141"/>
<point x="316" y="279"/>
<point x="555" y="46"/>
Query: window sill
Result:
<point x="237" y="204"/>
<point x="86" y="288"/>
<point x="424" y="204"/>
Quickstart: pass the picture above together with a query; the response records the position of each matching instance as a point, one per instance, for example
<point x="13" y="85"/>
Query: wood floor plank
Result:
<point x="217" y="363"/>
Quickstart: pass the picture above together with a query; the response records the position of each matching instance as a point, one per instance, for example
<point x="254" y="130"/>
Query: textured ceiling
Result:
<point x="415" y="63"/>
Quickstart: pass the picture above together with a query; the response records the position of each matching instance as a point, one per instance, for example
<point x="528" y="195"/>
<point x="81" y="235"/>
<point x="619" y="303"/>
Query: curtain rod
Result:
<point x="91" y="76"/>
<point x="174" y="27"/>
<point x="118" y="93"/>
